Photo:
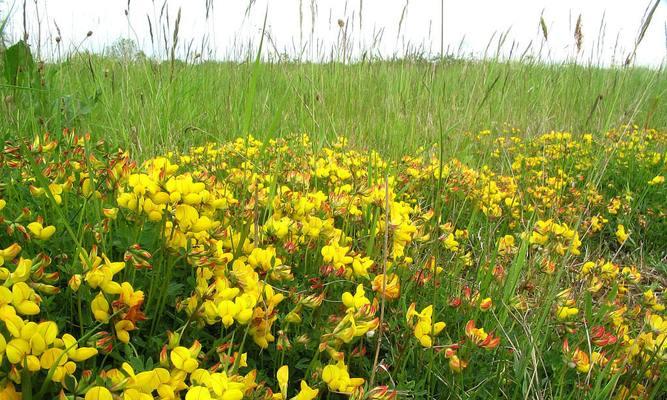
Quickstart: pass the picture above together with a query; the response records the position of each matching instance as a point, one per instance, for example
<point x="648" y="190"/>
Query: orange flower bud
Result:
<point x="75" y="282"/>
<point x="110" y="213"/>
<point x="164" y="357"/>
<point x="456" y="364"/>
<point x="485" y="304"/>
<point x="392" y="286"/>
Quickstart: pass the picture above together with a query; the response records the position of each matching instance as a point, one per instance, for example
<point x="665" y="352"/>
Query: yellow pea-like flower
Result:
<point x="40" y="335"/>
<point x="283" y="377"/>
<point x="451" y="243"/>
<point x="74" y="282"/>
<point x="306" y="392"/>
<point x="16" y="350"/>
<point x="76" y="353"/>
<point x="100" y="307"/>
<point x="392" y="286"/>
<point x="24" y="299"/>
<point x="357" y="301"/>
<point x="22" y="271"/>
<point x="198" y="393"/>
<point x="621" y="234"/>
<point x="564" y="312"/>
<point x="9" y="253"/>
<point x="98" y="393"/>
<point x="51" y="356"/>
<point x="657" y="323"/>
<point x="64" y="370"/>
<point x="3" y="347"/>
<point x="41" y="232"/>
<point x="129" y="296"/>
<point x="123" y="327"/>
<point x="32" y="363"/>
<point x="183" y="360"/>
<point x="227" y="310"/>
<point x="149" y="381"/>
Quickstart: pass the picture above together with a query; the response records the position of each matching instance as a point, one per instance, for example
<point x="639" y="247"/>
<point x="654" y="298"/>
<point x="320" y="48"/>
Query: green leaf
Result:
<point x="70" y="383"/>
<point x="18" y="63"/>
<point x="588" y="307"/>
<point x="514" y="273"/>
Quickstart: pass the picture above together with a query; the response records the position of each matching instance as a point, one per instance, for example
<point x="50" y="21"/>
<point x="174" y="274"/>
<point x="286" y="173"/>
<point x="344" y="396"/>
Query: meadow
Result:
<point x="149" y="106"/>
<point x="381" y="229"/>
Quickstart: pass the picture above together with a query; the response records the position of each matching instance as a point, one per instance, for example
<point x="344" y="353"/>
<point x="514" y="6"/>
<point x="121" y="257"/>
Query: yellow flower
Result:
<point x="227" y="310"/>
<point x="283" y="377"/>
<point x="98" y="393"/>
<point x="264" y="258"/>
<point x="450" y="243"/>
<point x="110" y="213"/>
<point x="506" y="245"/>
<point x="40" y="336"/>
<point x="306" y="392"/>
<point x="134" y="394"/>
<point x="9" y="253"/>
<point x="123" y="327"/>
<point x="279" y="227"/>
<point x="360" y="266"/>
<point x="392" y="286"/>
<point x="129" y="296"/>
<point x="597" y="223"/>
<point x="621" y="235"/>
<point x="22" y="271"/>
<point x="186" y="216"/>
<point x="246" y="303"/>
<point x="147" y="381"/>
<point x="337" y="377"/>
<point x="456" y="364"/>
<point x="358" y="300"/>
<point x="564" y="312"/>
<point x="76" y="353"/>
<point x="183" y="360"/>
<point x="16" y="350"/>
<point x="24" y="299"/>
<point x="198" y="393"/>
<point x="424" y="330"/>
<point x="581" y="361"/>
<point x="657" y="180"/>
<point x="75" y="282"/>
<point x="56" y="190"/>
<point x="9" y="392"/>
<point x="336" y="255"/>
<point x="657" y="323"/>
<point x="100" y="307"/>
<point x="485" y="304"/>
<point x="41" y="232"/>
<point x="480" y="337"/>
<point x="3" y="347"/>
<point x="101" y="274"/>
<point x="32" y="363"/>
<point x="651" y="299"/>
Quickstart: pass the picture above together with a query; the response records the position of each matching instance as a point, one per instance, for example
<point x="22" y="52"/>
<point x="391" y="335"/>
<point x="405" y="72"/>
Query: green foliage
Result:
<point x="392" y="106"/>
<point x="18" y="64"/>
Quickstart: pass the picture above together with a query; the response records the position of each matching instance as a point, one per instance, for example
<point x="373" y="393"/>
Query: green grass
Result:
<point x="393" y="106"/>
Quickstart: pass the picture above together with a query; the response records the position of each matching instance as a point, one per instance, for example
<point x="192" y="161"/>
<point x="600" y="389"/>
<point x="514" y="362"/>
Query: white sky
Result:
<point x="469" y="26"/>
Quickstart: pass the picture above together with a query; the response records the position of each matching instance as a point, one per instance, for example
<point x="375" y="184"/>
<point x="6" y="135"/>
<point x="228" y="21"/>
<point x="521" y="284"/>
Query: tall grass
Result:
<point x="393" y="106"/>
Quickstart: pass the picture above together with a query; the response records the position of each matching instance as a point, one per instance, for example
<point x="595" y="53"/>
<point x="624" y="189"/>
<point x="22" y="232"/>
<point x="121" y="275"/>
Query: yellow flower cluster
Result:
<point x="280" y="270"/>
